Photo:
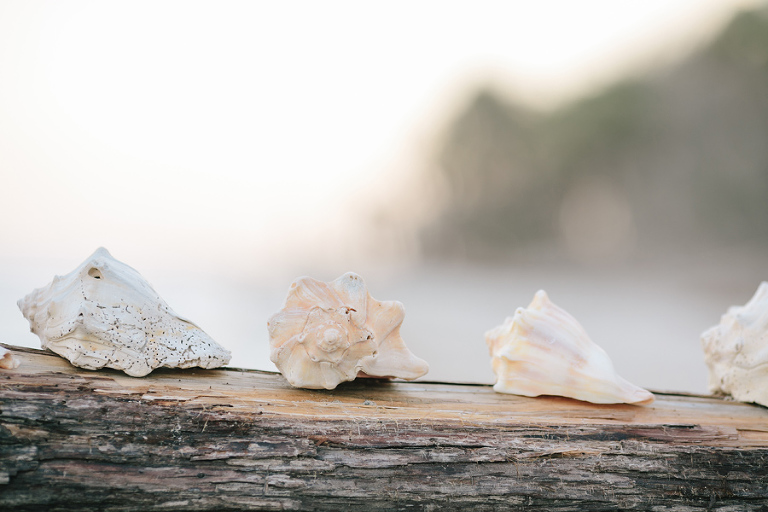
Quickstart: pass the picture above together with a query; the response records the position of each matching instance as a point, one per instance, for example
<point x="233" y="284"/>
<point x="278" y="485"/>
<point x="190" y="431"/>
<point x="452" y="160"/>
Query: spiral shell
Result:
<point x="327" y="333"/>
<point x="736" y="350"/>
<point x="543" y="350"/>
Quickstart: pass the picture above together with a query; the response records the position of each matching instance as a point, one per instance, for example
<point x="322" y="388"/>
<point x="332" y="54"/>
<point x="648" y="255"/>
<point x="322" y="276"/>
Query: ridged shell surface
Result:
<point x="543" y="350"/>
<point x="327" y="333"/>
<point x="105" y="314"/>
<point x="736" y="350"/>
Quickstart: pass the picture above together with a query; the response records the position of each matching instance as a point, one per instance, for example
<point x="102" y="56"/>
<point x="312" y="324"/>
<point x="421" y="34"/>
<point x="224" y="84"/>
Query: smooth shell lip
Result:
<point x="320" y="319"/>
<point x="105" y="314"/>
<point x="543" y="350"/>
<point x="642" y="397"/>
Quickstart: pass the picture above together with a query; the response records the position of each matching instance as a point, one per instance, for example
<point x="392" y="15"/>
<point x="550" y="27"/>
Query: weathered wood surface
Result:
<point x="232" y="439"/>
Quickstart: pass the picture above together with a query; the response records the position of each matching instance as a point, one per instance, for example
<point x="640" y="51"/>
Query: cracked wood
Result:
<point x="231" y="439"/>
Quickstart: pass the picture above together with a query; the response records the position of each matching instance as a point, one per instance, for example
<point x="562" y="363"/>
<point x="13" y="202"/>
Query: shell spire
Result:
<point x="543" y="350"/>
<point x="105" y="314"/>
<point x="327" y="333"/>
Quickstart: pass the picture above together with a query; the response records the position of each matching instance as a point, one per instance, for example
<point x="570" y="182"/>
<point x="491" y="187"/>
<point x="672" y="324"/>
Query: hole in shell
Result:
<point x="94" y="273"/>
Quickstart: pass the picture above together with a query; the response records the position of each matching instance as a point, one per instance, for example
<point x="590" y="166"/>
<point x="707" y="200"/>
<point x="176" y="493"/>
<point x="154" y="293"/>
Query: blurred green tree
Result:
<point x="686" y="146"/>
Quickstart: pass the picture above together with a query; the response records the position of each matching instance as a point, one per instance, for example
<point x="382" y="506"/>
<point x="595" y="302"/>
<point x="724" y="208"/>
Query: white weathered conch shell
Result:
<point x="543" y="350"/>
<point x="7" y="361"/>
<point x="328" y="332"/>
<point x="104" y="314"/>
<point x="736" y="350"/>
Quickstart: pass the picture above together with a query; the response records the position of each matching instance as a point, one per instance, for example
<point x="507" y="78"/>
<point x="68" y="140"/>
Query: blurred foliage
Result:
<point x="687" y="145"/>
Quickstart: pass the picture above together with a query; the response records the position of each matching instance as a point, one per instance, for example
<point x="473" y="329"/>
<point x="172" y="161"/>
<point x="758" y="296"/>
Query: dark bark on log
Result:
<point x="231" y="439"/>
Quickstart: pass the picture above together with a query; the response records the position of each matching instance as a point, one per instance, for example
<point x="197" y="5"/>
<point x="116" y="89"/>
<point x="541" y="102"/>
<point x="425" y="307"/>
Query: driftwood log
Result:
<point x="232" y="439"/>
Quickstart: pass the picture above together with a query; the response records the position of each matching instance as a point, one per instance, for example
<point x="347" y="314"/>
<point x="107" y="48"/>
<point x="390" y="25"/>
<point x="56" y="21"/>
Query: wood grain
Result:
<point x="233" y="439"/>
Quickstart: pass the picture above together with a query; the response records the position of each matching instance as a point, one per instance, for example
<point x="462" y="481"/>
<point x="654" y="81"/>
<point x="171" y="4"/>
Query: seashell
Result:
<point x="543" y="350"/>
<point x="327" y="333"/>
<point x="7" y="361"/>
<point x="736" y="350"/>
<point x="104" y="314"/>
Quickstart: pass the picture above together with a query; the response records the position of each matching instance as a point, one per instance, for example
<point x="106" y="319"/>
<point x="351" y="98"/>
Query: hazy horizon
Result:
<point x="249" y="133"/>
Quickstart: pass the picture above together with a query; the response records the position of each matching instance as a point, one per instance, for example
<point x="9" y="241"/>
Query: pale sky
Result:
<point x="241" y="135"/>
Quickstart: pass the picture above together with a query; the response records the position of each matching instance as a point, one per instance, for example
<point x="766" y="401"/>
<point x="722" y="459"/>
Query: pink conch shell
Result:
<point x="543" y="350"/>
<point x="328" y="332"/>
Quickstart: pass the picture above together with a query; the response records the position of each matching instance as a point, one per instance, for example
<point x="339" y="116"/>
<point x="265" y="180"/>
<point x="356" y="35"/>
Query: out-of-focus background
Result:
<point x="458" y="155"/>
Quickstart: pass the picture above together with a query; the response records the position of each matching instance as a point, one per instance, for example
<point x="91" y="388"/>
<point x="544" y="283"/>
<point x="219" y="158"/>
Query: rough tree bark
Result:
<point x="231" y="439"/>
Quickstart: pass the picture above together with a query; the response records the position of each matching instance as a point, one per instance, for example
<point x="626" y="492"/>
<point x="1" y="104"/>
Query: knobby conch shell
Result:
<point x="104" y="314"/>
<point x="543" y="350"/>
<point x="328" y="332"/>
<point x="7" y="361"/>
<point x="736" y="350"/>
